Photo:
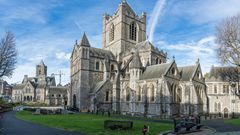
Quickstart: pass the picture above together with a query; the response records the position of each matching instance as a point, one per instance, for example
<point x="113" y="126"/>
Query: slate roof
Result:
<point x="99" y="85"/>
<point x="19" y="86"/>
<point x="58" y="89"/>
<point x="223" y="73"/>
<point x="147" y="45"/>
<point x="136" y="62"/>
<point x="101" y="53"/>
<point x="155" y="71"/>
<point x="187" y="72"/>
<point x="142" y="47"/>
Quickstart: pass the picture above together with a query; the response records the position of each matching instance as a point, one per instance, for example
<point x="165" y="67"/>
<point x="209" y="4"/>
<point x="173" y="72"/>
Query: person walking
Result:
<point x="144" y="130"/>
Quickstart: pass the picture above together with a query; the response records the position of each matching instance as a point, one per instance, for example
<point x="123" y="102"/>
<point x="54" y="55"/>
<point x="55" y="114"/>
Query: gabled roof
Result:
<point x="144" y="46"/>
<point x="19" y="86"/>
<point x="147" y="45"/>
<point x="156" y="71"/>
<point x="187" y="72"/>
<point x="101" y="53"/>
<point x="84" y="41"/>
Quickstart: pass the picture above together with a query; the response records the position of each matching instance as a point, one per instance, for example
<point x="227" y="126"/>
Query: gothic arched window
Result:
<point x="97" y="65"/>
<point x="157" y="61"/>
<point x="152" y="96"/>
<point x="133" y="31"/>
<point x="219" y="107"/>
<point x="107" y="96"/>
<point x="216" y="107"/>
<point x="111" y="33"/>
<point x="179" y="95"/>
<point x="112" y="68"/>
<point x="127" y="94"/>
<point x="139" y="93"/>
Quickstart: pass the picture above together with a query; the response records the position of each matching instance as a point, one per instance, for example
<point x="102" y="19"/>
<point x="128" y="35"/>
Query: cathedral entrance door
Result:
<point x="74" y="101"/>
<point x="225" y="113"/>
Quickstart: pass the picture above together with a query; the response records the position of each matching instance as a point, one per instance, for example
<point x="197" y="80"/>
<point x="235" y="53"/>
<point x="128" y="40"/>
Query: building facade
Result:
<point x="130" y="76"/>
<point x="40" y="89"/>
<point x="5" y="88"/>
<point x="222" y="89"/>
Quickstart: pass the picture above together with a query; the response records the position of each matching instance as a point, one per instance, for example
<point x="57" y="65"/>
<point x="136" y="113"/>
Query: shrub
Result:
<point x="113" y="124"/>
<point x="30" y="109"/>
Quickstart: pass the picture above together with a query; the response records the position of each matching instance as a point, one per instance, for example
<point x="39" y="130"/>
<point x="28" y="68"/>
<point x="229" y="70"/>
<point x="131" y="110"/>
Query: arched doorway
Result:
<point x="225" y="113"/>
<point x="74" y="101"/>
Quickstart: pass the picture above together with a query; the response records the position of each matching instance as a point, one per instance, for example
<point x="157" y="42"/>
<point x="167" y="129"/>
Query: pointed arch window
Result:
<point x="157" y="61"/>
<point x="139" y="93"/>
<point x="215" y="107"/>
<point x="97" y="65"/>
<point x="107" y="96"/>
<point x="152" y="96"/>
<point x="112" y="68"/>
<point x="179" y="95"/>
<point x="219" y="107"/>
<point x="127" y="94"/>
<point x="133" y="31"/>
<point x="111" y="33"/>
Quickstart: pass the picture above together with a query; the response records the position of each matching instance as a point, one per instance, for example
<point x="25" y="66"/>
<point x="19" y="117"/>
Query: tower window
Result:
<point x="112" y="68"/>
<point x="97" y="65"/>
<point x="215" y="89"/>
<point x="107" y="96"/>
<point x="127" y="94"/>
<point x="157" y="61"/>
<point x="111" y="33"/>
<point x="152" y="93"/>
<point x="133" y="31"/>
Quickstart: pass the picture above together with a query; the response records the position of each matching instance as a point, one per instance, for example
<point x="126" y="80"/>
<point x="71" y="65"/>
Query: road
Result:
<point x="10" y="125"/>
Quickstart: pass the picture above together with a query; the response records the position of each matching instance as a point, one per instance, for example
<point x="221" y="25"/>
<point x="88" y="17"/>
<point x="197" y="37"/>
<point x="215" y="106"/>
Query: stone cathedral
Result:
<point x="130" y="76"/>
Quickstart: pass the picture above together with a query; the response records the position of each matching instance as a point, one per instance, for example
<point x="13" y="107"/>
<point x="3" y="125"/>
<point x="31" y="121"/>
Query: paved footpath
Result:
<point x="220" y="126"/>
<point x="13" y="126"/>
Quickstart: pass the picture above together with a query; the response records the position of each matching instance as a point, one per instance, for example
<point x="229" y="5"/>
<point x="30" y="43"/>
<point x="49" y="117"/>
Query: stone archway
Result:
<point x="74" y="101"/>
<point x="225" y="113"/>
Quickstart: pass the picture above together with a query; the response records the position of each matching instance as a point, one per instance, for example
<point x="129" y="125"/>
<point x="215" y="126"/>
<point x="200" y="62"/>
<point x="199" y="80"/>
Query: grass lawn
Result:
<point x="233" y="122"/>
<point x="91" y="124"/>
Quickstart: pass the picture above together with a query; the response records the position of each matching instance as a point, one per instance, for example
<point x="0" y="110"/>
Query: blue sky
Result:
<point x="47" y="29"/>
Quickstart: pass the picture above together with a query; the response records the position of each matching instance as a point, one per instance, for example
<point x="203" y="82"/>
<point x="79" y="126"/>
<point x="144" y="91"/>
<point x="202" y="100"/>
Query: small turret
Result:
<point x="135" y="67"/>
<point x="84" y="46"/>
<point x="84" y="41"/>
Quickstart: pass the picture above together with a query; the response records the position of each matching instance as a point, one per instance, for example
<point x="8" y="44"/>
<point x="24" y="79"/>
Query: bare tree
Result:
<point x="228" y="40"/>
<point x="8" y="55"/>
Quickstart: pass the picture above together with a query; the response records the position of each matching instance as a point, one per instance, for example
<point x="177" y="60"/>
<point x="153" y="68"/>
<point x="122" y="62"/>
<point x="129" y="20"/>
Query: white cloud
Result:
<point x="187" y="53"/>
<point x="20" y="71"/>
<point x="63" y="56"/>
<point x="156" y="13"/>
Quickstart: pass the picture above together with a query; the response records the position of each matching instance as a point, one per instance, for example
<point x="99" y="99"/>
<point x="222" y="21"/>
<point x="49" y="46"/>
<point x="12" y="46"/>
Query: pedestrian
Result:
<point x="144" y="130"/>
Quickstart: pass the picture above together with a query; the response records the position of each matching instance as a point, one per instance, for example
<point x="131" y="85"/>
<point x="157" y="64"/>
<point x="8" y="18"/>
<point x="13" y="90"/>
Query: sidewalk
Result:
<point x="228" y="133"/>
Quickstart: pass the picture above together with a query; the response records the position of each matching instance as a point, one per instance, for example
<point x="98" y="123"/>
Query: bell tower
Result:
<point x="41" y="69"/>
<point x="123" y="29"/>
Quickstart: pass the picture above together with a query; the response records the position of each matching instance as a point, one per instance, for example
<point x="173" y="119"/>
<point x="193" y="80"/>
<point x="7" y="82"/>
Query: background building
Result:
<point x="40" y="89"/>
<point x="5" y="88"/>
<point x="222" y="83"/>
